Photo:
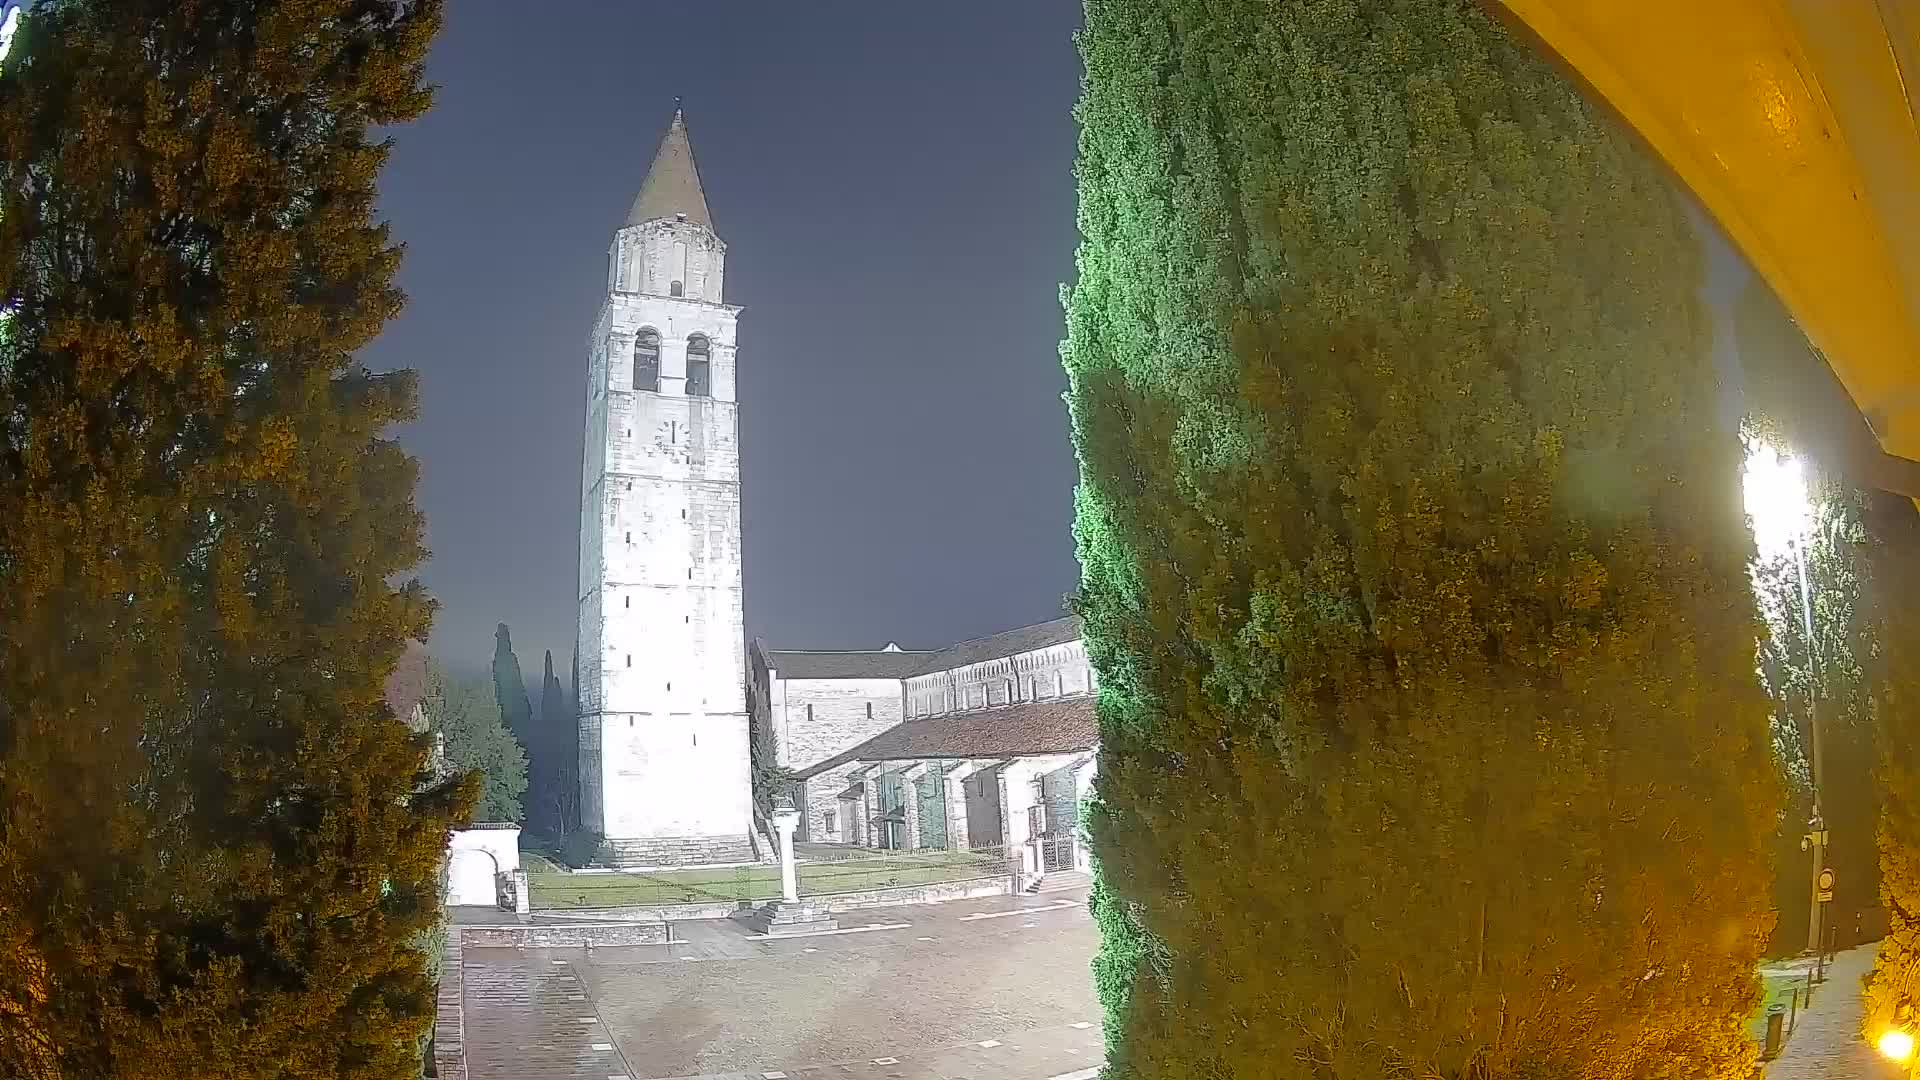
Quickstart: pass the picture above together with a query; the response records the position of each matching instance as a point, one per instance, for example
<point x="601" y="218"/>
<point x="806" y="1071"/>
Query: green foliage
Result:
<point x="509" y="688"/>
<point x="467" y="718"/>
<point x="217" y="853"/>
<point x="1893" y="990"/>
<point x="584" y="848"/>
<point x="770" y="779"/>
<point x="1413" y="563"/>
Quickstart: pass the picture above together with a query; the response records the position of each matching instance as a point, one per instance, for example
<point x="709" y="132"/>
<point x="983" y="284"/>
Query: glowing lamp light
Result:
<point x="1773" y="486"/>
<point x="1896" y="1045"/>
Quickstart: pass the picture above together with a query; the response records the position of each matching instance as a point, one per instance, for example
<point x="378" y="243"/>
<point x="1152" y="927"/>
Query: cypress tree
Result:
<point x="1893" y="989"/>
<point x="216" y="856"/>
<point x="509" y="688"/>
<point x="573" y="823"/>
<point x="1413" y="563"/>
<point x="555" y="758"/>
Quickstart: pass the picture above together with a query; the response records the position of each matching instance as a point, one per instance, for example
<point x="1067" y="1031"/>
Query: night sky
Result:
<point x="894" y="184"/>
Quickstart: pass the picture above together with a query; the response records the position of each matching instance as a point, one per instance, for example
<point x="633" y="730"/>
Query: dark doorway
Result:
<point x="983" y="809"/>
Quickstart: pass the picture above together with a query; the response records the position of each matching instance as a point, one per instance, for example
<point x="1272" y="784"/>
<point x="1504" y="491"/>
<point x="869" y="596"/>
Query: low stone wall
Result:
<point x="450" y="1015"/>
<point x="999" y="885"/>
<point x="565" y="936"/>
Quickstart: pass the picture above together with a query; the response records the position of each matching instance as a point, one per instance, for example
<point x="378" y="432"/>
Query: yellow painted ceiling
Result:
<point x="1797" y="124"/>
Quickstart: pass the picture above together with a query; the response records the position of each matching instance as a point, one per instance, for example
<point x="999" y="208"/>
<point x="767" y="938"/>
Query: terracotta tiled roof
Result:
<point x="875" y="664"/>
<point x="1059" y="726"/>
<point x="673" y="183"/>
<point x="1026" y="639"/>
<point x="895" y="664"/>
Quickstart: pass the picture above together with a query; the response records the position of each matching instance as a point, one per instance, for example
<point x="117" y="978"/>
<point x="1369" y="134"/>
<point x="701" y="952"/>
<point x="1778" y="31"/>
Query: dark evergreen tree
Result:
<point x="509" y="688"/>
<point x="555" y="758"/>
<point x="217" y="858"/>
<point x="1413" y="563"/>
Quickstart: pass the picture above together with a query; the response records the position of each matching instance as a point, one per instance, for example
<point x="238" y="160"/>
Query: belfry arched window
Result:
<point x="699" y="367"/>
<point x="646" y="361"/>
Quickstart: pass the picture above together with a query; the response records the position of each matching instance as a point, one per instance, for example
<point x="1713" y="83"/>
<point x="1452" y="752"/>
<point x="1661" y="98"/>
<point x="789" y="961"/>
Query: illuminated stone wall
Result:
<point x="664" y="754"/>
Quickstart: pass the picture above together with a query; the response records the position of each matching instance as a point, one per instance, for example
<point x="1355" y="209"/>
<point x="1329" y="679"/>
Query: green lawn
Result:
<point x="1778" y="991"/>
<point x="552" y="886"/>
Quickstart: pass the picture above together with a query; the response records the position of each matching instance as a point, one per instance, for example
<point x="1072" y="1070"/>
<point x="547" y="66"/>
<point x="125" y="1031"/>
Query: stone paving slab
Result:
<point x="1042" y="1054"/>
<point x="969" y="990"/>
<point x="1827" y="1043"/>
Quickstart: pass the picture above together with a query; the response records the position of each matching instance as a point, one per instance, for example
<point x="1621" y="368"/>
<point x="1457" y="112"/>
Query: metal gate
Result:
<point x="1056" y="851"/>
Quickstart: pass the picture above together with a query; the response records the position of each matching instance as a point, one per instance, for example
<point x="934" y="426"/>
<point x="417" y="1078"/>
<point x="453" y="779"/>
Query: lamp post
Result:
<point x="1816" y="841"/>
<point x="1775" y="489"/>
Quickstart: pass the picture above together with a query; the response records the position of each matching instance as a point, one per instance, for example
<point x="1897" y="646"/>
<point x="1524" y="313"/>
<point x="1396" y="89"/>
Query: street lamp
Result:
<point x="1774" y="487"/>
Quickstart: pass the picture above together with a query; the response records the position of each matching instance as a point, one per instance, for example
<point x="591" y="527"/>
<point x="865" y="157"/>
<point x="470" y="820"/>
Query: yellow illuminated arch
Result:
<point x="1795" y="124"/>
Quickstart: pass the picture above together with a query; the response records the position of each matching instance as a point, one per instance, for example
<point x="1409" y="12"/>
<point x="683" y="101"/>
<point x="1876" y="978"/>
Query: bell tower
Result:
<point x="664" y="770"/>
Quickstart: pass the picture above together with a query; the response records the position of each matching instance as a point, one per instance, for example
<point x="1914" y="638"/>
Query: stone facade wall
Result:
<point x="1020" y="790"/>
<point x="821" y="794"/>
<point x="651" y="256"/>
<point x="814" y="719"/>
<point x="475" y="860"/>
<point x="1057" y="671"/>
<point x="664" y="750"/>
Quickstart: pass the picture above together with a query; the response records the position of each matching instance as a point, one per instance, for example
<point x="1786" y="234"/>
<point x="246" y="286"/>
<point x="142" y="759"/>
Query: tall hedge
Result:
<point x="219" y="848"/>
<point x="1413" y="563"/>
<point x="1894" y="986"/>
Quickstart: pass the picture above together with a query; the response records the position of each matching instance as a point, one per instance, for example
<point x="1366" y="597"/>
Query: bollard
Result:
<point x="1776" y="1021"/>
<point x="1793" y="1014"/>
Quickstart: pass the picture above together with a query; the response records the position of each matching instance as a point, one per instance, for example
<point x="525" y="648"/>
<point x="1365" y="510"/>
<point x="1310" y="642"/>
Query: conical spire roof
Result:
<point x="672" y="186"/>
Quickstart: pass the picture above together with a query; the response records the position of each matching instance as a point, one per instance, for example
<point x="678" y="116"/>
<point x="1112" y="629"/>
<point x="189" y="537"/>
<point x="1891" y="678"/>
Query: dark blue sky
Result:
<point x="894" y="185"/>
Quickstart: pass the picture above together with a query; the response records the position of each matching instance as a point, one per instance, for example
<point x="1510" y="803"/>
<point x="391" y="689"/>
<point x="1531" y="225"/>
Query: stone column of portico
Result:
<point x="956" y="792"/>
<point x="785" y="820"/>
<point x="866" y="813"/>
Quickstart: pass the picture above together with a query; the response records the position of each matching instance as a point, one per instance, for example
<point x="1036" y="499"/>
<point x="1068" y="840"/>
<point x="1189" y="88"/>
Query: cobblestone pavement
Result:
<point x="1826" y="1043"/>
<point x="967" y="990"/>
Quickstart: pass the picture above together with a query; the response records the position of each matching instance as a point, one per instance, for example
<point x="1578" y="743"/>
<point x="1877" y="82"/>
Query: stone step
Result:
<point x="779" y="917"/>
<point x="682" y="851"/>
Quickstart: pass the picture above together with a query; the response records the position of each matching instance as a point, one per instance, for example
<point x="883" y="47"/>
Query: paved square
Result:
<point x="962" y="990"/>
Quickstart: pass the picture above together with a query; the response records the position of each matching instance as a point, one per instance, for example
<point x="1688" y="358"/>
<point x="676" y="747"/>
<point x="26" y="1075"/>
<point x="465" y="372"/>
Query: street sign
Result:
<point x="1826" y="885"/>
